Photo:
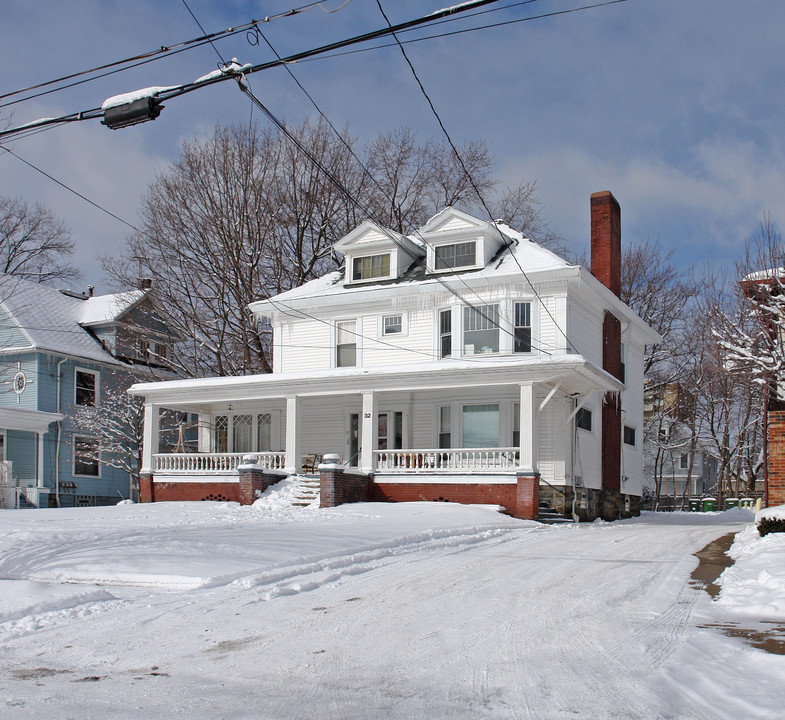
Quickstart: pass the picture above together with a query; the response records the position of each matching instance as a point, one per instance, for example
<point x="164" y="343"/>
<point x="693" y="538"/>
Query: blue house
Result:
<point x="61" y="352"/>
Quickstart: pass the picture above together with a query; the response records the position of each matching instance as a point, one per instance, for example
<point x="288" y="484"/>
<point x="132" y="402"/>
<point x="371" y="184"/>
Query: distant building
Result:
<point x="675" y="468"/>
<point x="58" y="351"/>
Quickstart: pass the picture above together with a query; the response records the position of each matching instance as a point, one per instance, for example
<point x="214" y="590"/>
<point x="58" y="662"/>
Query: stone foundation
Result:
<point x="591" y="504"/>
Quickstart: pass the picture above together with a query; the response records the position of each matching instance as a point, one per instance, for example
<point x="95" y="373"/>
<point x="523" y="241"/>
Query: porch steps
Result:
<point x="549" y="516"/>
<point x="307" y="492"/>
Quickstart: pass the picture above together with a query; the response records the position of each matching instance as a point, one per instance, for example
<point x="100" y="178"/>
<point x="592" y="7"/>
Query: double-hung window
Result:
<point x="480" y="329"/>
<point x="374" y="266"/>
<point x="392" y="324"/>
<point x="87" y="456"/>
<point x="458" y="255"/>
<point x="445" y="333"/>
<point x="86" y="388"/>
<point x="523" y="327"/>
<point x="346" y="343"/>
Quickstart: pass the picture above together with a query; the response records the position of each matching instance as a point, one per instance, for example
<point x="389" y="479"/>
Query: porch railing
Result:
<point x="464" y="460"/>
<point x="213" y="463"/>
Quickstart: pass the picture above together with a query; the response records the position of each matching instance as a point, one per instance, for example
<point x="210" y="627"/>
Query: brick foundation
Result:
<point x="179" y="491"/>
<point x="528" y="497"/>
<point x="146" y="491"/>
<point x="505" y="495"/>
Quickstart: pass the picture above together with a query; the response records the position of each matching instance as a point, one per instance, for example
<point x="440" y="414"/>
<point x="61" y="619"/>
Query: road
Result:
<point x="587" y="621"/>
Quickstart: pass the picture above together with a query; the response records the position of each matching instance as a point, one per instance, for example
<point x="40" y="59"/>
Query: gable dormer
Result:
<point x="457" y="241"/>
<point x="373" y="254"/>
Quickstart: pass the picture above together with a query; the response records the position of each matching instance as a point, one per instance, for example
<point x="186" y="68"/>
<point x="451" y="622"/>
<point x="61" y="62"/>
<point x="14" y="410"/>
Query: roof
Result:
<point x="103" y="309"/>
<point x="50" y="320"/>
<point x="521" y="253"/>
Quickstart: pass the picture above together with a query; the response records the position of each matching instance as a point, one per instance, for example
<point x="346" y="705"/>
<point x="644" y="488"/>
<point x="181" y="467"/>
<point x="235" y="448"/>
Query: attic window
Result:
<point x="374" y="266"/>
<point x="456" y="256"/>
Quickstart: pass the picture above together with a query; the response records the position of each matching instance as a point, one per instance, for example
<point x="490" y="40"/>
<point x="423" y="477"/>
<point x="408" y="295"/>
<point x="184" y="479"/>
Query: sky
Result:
<point x="673" y="105"/>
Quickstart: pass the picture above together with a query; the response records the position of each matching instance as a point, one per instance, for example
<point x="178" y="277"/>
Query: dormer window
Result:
<point x="368" y="268"/>
<point x="448" y="257"/>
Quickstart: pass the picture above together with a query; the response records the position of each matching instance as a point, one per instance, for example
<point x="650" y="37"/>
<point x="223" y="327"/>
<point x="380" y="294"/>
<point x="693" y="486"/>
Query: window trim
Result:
<point x="404" y="325"/>
<point x="484" y="312"/>
<point x="629" y="429"/>
<point x="454" y="244"/>
<point x="97" y="376"/>
<point x="357" y="344"/>
<point x="583" y="419"/>
<point x="355" y="259"/>
<point x="74" y="439"/>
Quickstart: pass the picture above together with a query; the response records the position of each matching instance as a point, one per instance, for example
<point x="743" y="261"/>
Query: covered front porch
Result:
<point x="452" y="423"/>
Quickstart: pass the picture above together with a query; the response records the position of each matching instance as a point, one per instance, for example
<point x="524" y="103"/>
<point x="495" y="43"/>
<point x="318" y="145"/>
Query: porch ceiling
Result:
<point x="574" y="373"/>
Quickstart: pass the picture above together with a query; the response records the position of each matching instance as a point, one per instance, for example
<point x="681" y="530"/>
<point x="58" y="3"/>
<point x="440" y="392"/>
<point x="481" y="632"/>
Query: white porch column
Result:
<point x="293" y="440"/>
<point x="529" y="429"/>
<point x="368" y="432"/>
<point x="39" y="469"/>
<point x="150" y="437"/>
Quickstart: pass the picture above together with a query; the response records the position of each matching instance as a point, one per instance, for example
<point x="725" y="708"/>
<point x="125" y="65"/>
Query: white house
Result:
<point x="447" y="364"/>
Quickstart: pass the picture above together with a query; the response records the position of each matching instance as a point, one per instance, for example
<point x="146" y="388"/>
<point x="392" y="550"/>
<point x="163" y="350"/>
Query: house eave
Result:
<point x="575" y="373"/>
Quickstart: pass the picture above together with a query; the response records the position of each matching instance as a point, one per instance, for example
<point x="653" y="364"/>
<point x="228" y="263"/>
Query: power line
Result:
<point x="467" y="173"/>
<point x="70" y="189"/>
<point x="228" y="73"/>
<point x="163" y="51"/>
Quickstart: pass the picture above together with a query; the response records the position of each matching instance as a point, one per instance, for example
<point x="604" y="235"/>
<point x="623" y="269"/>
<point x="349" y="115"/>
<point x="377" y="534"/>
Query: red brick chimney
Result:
<point x="606" y="240"/>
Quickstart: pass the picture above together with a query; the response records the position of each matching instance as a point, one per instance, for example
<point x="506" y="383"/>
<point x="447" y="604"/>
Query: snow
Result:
<point x="232" y="68"/>
<point x="101" y="309"/>
<point x="134" y="95"/>
<point x="425" y="610"/>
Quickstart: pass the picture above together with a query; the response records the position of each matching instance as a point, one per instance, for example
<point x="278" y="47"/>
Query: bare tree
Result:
<point x="248" y="214"/>
<point x="34" y="244"/>
<point x="117" y="424"/>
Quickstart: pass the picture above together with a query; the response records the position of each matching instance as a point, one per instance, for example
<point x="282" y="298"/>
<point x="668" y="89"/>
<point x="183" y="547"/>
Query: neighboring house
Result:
<point x="58" y="351"/>
<point x="458" y="363"/>
<point x="675" y="466"/>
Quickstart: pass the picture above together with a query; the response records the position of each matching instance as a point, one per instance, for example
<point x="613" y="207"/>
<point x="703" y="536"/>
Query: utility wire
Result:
<point x="196" y="85"/>
<point x="70" y="189"/>
<point x="164" y="50"/>
<point x="468" y="174"/>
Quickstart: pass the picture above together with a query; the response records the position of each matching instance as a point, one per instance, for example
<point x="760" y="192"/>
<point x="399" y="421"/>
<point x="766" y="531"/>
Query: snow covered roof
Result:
<point x="50" y="320"/>
<point x="769" y="274"/>
<point x="520" y="253"/>
<point x="102" y="309"/>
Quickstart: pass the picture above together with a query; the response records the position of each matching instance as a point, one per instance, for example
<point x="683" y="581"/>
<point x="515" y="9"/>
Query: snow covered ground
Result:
<point x="428" y="610"/>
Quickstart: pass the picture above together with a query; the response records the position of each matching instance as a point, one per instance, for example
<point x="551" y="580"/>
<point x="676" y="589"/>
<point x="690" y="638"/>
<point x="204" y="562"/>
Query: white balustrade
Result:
<point x="213" y="463"/>
<point x="459" y="460"/>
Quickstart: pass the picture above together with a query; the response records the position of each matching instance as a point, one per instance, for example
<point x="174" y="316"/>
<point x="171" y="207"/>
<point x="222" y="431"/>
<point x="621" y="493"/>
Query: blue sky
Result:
<point x="674" y="105"/>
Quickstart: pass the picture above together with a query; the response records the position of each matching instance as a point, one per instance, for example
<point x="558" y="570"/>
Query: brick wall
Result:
<point x="606" y="240"/>
<point x="505" y="495"/>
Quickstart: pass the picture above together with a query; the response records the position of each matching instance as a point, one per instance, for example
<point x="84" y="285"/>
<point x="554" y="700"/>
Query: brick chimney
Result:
<point x="606" y="240"/>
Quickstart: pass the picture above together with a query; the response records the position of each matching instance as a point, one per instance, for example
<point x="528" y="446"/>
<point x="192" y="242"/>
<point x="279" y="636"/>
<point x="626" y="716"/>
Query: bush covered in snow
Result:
<point x="771" y="520"/>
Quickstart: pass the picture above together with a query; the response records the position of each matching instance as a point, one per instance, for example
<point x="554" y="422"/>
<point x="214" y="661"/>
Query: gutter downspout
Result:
<point x="59" y="430"/>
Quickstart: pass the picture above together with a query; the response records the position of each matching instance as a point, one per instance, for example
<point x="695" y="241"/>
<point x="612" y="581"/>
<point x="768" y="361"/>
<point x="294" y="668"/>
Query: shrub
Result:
<point x="771" y="525"/>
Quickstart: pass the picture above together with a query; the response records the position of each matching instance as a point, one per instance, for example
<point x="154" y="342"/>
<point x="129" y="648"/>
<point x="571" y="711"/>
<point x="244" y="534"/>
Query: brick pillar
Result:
<point x="255" y="479"/>
<point x="146" y="492"/>
<point x="528" y="496"/>
<point x="331" y="484"/>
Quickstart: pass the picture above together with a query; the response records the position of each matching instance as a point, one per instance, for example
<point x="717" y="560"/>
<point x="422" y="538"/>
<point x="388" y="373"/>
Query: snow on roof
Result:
<point x="769" y="274"/>
<point x="50" y="319"/>
<point x="521" y="253"/>
<point x="134" y="95"/>
<point x="102" y="309"/>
